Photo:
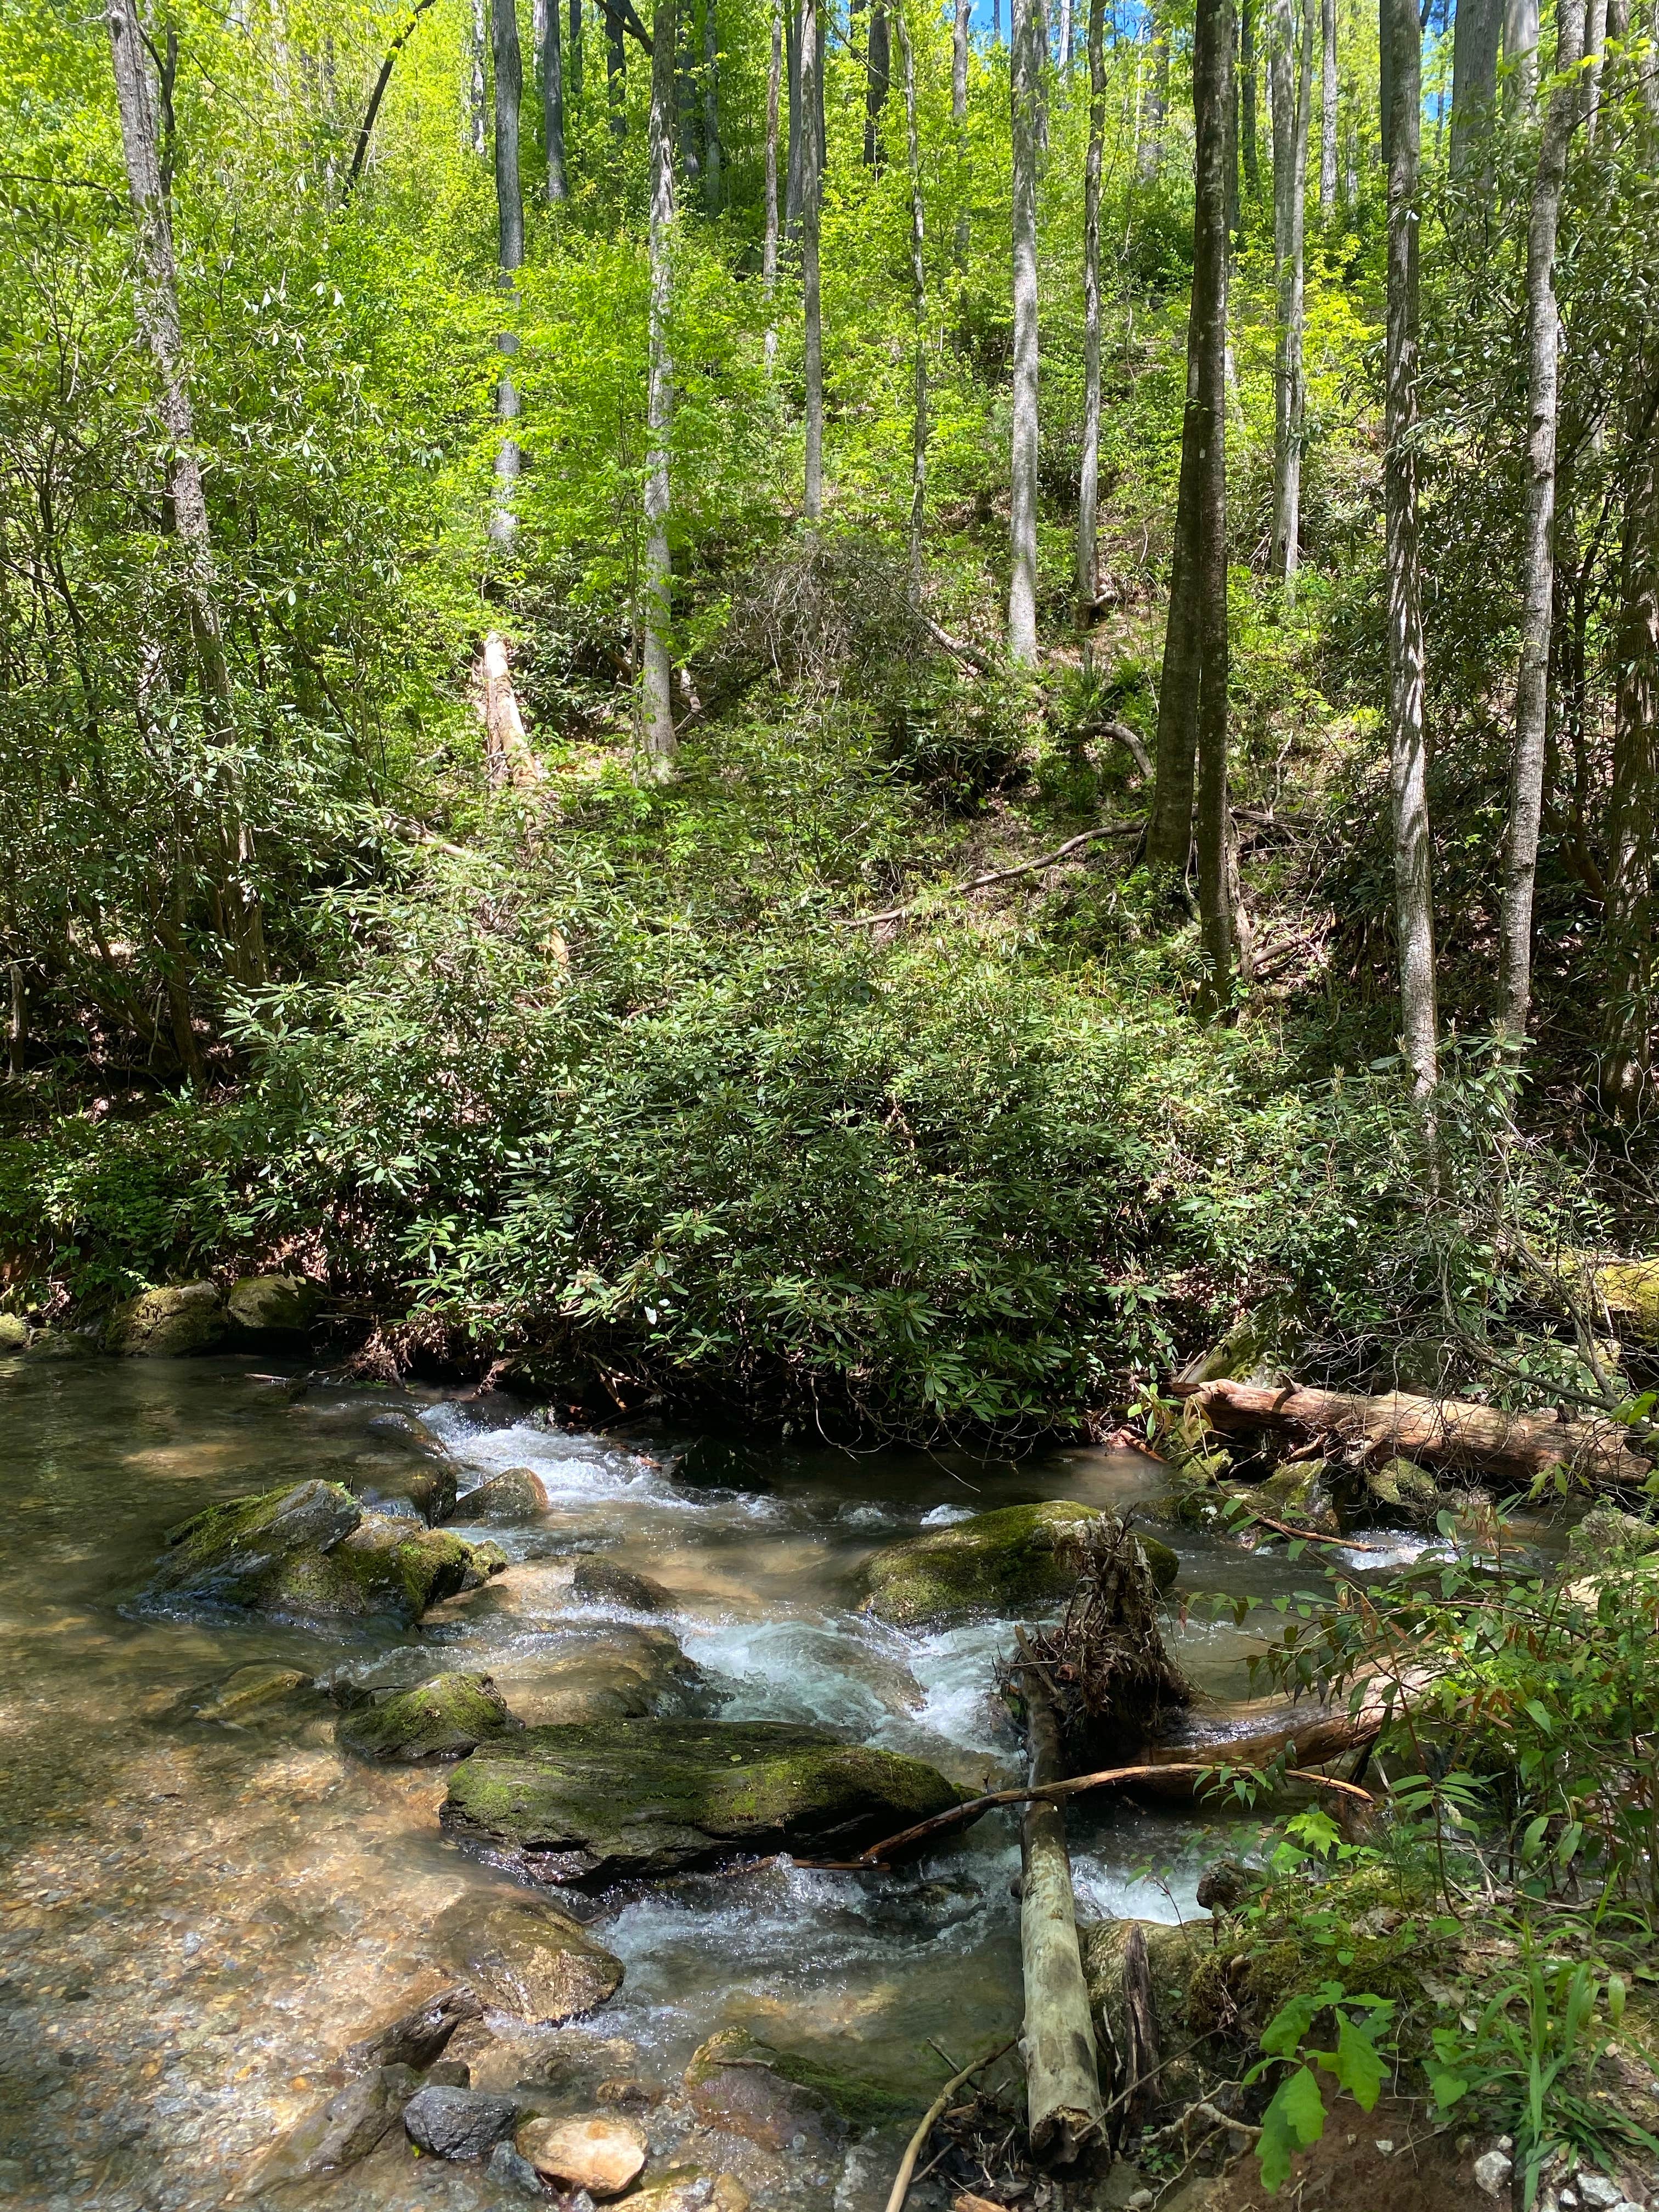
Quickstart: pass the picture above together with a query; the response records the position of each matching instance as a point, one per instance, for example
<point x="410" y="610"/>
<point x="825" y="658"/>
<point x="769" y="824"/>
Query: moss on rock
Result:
<point x="168" y="1324"/>
<point x="385" y="1570"/>
<point x="528" y="1959"/>
<point x="1005" y="1561"/>
<point x="620" y="1801"/>
<point x="265" y="1306"/>
<point x="444" y="1718"/>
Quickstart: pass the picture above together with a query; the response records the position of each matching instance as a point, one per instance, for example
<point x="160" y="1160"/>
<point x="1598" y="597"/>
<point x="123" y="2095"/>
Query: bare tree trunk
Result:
<point x="919" y="310"/>
<point x="959" y="116"/>
<point x="713" y="163"/>
<point x="1066" y="35"/>
<point x="797" y="170"/>
<point x="552" y="77"/>
<point x="812" y="285"/>
<point x="688" y="102"/>
<point x="1595" y="39"/>
<point x="661" y="742"/>
<point x="1026" y="80"/>
<point x="1158" y="102"/>
<point x="477" y="116"/>
<point x="1631" y="916"/>
<point x="574" y="58"/>
<point x="616" y="76"/>
<point x="1474" y="77"/>
<point x="1290" y="67"/>
<point x="1088" y="516"/>
<point x="1250" y="125"/>
<point x="1521" y="49"/>
<point x="1538" y="559"/>
<point x="769" y="246"/>
<point x="1328" y="110"/>
<point x="878" y="75"/>
<point x="1218" y="899"/>
<point x="509" y="232"/>
<point x="1407" y="742"/>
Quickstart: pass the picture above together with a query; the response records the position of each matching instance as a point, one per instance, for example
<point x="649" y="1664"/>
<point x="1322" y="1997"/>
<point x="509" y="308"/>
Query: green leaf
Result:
<point x="1359" y="2067"/>
<point x="1295" y="2118"/>
<point x="1446" y="2089"/>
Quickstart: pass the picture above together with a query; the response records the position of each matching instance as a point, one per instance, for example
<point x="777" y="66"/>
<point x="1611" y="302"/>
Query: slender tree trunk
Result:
<point x="964" y="9"/>
<point x="552" y="77"/>
<point x="1385" y="70"/>
<point x="509" y="232"/>
<point x="1474" y="77"/>
<point x="661" y="742"/>
<point x="713" y="188"/>
<point x="919" y="312"/>
<point x="1407" y="742"/>
<point x="1025" y="79"/>
<point x="1218" y="898"/>
<point x="811" y="292"/>
<point x="1596" y="41"/>
<point x="1521" y="49"/>
<point x="477" y="113"/>
<point x="616" y="76"/>
<point x="574" y="58"/>
<point x="797" y="169"/>
<point x="689" y="102"/>
<point x="878" y="75"/>
<point x="1088" y="517"/>
<point x="1290" y="75"/>
<point x="1158" y="102"/>
<point x="770" y="244"/>
<point x="1631" y="916"/>
<point x="1066" y="35"/>
<point x="1235" y="217"/>
<point x="1328" y="110"/>
<point x="1538" y="567"/>
<point x="1250" y="125"/>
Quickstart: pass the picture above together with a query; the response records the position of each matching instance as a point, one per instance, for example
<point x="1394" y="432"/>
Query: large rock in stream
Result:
<point x="627" y="1800"/>
<point x="1006" y="1561"/>
<point x="310" y="1553"/>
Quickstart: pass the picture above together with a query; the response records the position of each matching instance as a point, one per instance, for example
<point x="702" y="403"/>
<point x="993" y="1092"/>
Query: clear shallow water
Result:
<point x="195" y="1919"/>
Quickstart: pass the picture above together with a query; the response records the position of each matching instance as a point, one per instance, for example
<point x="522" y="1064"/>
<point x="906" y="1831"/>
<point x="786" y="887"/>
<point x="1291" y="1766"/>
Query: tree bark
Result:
<point x="792" y="197"/>
<point x="1025" y="83"/>
<point x="477" y="114"/>
<point x="964" y="9"/>
<point x="615" y="75"/>
<point x="1065" y="2111"/>
<point x="509" y="234"/>
<point x="811" y="280"/>
<point x="1158" y="102"/>
<point x="574" y="58"/>
<point x="1066" y="35"/>
<point x="660" y="742"/>
<point x="1595" y="39"/>
<point x="1474" y="77"/>
<point x="918" y="313"/>
<point x="1249" y="126"/>
<point x="552" y="77"/>
<point x="1407" y="742"/>
<point x="1631" y="916"/>
<point x="1290" y="67"/>
<point x="713" y="188"/>
<point x="878" y="78"/>
<point x="1218" y="899"/>
<point x="1538" y="561"/>
<point x="508" y="751"/>
<point x="1453" y="1433"/>
<point x="1521" y="49"/>
<point x="688" y="101"/>
<point x="770" y="243"/>
<point x="1327" y="109"/>
<point x="1088" y="517"/>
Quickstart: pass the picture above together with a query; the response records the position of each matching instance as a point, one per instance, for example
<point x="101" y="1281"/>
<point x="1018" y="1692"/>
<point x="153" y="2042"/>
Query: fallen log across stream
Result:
<point x="1452" y="1433"/>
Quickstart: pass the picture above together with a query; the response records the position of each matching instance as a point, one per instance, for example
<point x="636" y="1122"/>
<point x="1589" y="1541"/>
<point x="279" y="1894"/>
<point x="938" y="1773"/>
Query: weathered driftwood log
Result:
<point x="1441" y="1432"/>
<point x="1303" y="1736"/>
<point x="1066" y="2112"/>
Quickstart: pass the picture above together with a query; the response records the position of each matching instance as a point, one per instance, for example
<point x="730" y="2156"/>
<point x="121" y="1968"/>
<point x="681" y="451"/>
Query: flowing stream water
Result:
<point x="197" y="1918"/>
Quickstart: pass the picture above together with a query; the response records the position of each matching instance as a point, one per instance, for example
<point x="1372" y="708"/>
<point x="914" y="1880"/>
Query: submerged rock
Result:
<point x="687" y="2189"/>
<point x="603" y="1581"/>
<point x="444" y="1718"/>
<point x="518" y="1493"/>
<point x="50" y="1347"/>
<point x="778" y="2098"/>
<point x="459" y="2124"/>
<point x="528" y="1959"/>
<point x="601" y="1804"/>
<point x="1005" y="1561"/>
<point x="418" y="2033"/>
<point x="266" y="1306"/>
<point x="338" y="2134"/>
<point x="169" y="1323"/>
<point x="311" y="1551"/>
<point x="624" y="1673"/>
<point x="600" y="2155"/>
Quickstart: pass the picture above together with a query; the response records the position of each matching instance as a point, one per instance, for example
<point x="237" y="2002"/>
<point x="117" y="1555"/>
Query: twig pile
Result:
<point x="1111" y="1678"/>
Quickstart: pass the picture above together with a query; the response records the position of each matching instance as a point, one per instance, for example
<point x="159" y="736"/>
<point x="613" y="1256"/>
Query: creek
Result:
<point x="196" y="1918"/>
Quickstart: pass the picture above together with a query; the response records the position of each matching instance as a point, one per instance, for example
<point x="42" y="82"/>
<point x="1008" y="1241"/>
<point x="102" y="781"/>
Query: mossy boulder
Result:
<point x="1002" y="1562"/>
<point x="273" y="1306"/>
<point x="626" y="1800"/>
<point x="1606" y="1534"/>
<point x="309" y="1550"/>
<point x="169" y="1323"/>
<point x="603" y="1582"/>
<point x="719" y="2085"/>
<point x="445" y="1718"/>
<point x="1296" y="1495"/>
<point x="1404" y="1487"/>
<point x="51" y="1348"/>
<point x="14" y="1334"/>
<point x="518" y="1493"/>
<point x="527" y="1958"/>
<point x="624" y="1672"/>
